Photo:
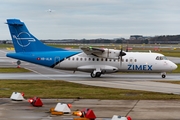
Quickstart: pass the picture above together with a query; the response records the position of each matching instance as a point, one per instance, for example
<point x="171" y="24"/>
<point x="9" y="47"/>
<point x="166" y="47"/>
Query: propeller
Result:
<point x="121" y="54"/>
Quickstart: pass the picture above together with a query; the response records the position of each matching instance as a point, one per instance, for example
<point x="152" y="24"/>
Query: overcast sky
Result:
<point x="88" y="19"/>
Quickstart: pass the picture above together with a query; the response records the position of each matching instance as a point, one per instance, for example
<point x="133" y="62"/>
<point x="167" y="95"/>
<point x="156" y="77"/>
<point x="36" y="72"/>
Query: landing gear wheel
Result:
<point x="98" y="74"/>
<point x="93" y="75"/>
<point x="163" y="75"/>
<point x="18" y="62"/>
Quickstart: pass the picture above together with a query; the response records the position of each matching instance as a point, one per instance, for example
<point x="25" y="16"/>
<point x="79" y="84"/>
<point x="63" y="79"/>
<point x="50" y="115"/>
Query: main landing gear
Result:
<point x="163" y="74"/>
<point x="95" y="74"/>
<point x="18" y="63"/>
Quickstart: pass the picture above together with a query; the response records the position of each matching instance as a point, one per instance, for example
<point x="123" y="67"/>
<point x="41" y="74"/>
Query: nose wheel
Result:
<point x="163" y="75"/>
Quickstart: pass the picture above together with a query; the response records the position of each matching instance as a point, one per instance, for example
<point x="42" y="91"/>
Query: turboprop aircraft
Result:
<point x="96" y="61"/>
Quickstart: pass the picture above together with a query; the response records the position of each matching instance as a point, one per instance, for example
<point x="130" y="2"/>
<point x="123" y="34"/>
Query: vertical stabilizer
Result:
<point x="23" y="40"/>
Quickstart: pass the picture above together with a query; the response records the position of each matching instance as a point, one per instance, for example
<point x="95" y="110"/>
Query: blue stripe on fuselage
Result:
<point x="48" y="58"/>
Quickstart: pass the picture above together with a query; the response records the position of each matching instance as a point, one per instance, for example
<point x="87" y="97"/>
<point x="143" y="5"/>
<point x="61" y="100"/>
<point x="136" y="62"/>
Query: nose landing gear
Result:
<point x="163" y="74"/>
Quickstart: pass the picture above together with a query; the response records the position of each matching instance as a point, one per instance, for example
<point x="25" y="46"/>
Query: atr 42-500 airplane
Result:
<point x="96" y="61"/>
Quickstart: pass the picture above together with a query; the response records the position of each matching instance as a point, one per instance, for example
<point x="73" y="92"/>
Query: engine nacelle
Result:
<point x="103" y="53"/>
<point x="110" y="53"/>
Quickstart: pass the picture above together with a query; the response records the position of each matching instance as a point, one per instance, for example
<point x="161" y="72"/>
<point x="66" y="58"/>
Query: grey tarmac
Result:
<point x="103" y="109"/>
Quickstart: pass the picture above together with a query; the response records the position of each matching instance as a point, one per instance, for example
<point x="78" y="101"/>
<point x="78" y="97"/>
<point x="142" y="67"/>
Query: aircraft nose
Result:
<point x="173" y="66"/>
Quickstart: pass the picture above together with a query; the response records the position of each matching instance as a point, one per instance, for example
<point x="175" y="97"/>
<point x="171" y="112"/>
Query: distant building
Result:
<point x="136" y="37"/>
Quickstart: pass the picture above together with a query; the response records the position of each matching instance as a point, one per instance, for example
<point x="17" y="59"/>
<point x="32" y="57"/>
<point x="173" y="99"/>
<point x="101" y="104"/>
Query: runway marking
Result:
<point x="40" y="73"/>
<point x="132" y="107"/>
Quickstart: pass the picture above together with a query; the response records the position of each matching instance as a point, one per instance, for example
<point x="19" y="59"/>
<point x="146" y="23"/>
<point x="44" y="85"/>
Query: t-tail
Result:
<point x="24" y="41"/>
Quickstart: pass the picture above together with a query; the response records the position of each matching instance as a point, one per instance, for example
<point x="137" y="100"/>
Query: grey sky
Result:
<point x="92" y="18"/>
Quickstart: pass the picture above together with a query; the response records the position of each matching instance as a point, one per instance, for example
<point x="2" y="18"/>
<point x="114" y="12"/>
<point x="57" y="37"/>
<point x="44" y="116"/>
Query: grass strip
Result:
<point x="13" y="70"/>
<point x="67" y="90"/>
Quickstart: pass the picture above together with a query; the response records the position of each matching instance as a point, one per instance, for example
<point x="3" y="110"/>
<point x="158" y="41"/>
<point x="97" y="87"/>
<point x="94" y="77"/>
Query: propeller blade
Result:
<point x="121" y="54"/>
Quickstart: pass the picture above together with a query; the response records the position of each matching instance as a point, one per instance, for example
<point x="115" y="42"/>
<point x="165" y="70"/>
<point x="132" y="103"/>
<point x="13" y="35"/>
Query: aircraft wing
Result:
<point x="92" y="51"/>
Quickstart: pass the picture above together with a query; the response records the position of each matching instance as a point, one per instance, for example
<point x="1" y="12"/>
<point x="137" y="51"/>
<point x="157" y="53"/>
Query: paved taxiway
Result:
<point x="138" y="110"/>
<point x="103" y="109"/>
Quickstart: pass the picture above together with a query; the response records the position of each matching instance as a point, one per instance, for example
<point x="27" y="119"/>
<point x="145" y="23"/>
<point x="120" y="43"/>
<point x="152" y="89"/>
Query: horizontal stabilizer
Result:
<point x="14" y="22"/>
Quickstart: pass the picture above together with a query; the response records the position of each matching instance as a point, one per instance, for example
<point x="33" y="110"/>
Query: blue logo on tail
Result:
<point x="24" y="39"/>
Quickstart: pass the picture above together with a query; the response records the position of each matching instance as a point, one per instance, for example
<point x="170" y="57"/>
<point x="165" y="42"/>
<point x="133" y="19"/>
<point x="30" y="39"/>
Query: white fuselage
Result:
<point x="132" y="61"/>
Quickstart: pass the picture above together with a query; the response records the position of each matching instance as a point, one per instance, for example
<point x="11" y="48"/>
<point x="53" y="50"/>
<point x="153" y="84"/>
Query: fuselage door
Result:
<point x="57" y="60"/>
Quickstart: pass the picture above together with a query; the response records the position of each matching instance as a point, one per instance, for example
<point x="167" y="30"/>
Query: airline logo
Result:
<point x="24" y="39"/>
<point x="140" y="67"/>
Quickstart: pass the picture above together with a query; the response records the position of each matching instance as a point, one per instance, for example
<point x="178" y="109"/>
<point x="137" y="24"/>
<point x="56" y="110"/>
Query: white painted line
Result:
<point x="40" y="74"/>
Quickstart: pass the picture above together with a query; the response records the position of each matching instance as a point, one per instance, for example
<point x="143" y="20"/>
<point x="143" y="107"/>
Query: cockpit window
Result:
<point x="157" y="58"/>
<point x="161" y="58"/>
